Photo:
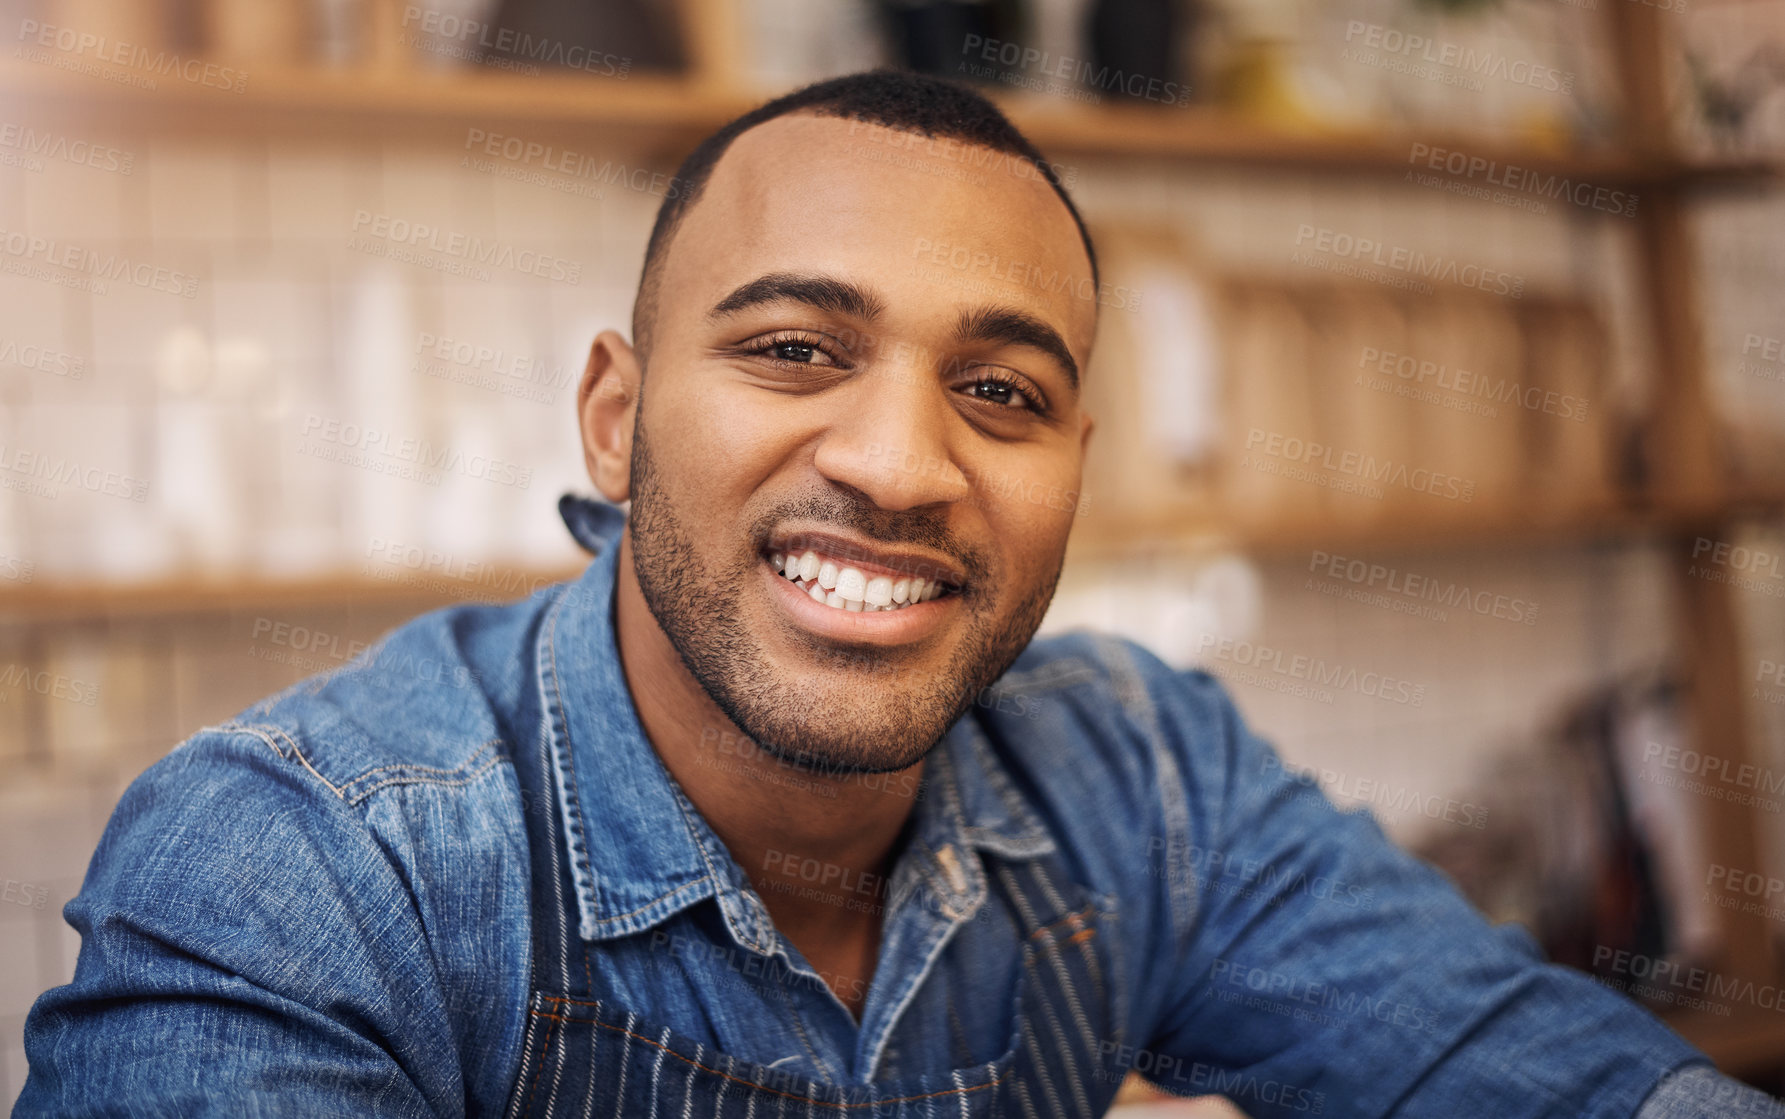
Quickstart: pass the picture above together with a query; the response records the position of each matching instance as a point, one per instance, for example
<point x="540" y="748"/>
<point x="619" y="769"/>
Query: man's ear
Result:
<point x="606" y="402"/>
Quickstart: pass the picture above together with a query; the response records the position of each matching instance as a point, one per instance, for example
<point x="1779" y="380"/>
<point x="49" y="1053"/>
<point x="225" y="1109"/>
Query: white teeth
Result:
<point x="851" y="584"/>
<point x="849" y="588"/>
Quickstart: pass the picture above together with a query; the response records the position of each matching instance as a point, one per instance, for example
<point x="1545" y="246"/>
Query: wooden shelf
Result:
<point x="1217" y="137"/>
<point x="1093" y="541"/>
<point x="316" y="101"/>
<point x="675" y="112"/>
<point x="90" y="601"/>
<point x="1456" y="525"/>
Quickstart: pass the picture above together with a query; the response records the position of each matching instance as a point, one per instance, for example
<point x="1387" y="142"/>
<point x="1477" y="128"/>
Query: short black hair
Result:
<point x="897" y="99"/>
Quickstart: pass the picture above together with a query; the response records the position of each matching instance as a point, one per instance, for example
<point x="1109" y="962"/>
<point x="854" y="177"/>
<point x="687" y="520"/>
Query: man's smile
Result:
<point x="849" y="588"/>
<point x="850" y="575"/>
<point x="853" y="591"/>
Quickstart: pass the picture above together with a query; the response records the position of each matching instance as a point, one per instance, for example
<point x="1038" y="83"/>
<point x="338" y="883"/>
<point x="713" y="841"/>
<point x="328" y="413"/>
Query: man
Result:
<point x="778" y="809"/>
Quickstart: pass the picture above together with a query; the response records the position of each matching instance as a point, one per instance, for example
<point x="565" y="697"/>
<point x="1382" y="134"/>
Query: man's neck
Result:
<point x="816" y="847"/>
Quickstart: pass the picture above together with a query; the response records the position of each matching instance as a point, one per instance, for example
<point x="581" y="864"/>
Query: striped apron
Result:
<point x="583" y="1055"/>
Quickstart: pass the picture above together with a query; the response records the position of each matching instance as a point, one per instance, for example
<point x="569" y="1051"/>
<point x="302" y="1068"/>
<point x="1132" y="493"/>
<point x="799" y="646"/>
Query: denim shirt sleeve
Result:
<point x="250" y="946"/>
<point x="1319" y="969"/>
<point x="1701" y="1092"/>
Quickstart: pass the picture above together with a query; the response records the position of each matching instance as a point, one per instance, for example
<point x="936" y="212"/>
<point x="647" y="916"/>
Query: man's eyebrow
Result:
<point x="826" y="293"/>
<point x="1016" y="328"/>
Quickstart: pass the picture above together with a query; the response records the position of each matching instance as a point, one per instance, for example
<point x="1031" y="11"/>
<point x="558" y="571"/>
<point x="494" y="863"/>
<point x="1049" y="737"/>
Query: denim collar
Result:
<point x="640" y="852"/>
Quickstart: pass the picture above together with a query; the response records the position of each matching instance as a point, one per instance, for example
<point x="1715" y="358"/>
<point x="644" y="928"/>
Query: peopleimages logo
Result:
<point x="580" y="172"/>
<point x="491" y="368"/>
<point x="1677" y="983"/>
<point x="1745" y="891"/>
<point x="29" y="142"/>
<point x="1312" y="672"/>
<point x="469" y="38"/>
<point x="1289" y="989"/>
<point x="1463" y="383"/>
<point x="39" y="473"/>
<point x="1041" y="66"/>
<point x="1018" y="273"/>
<point x="57" y="363"/>
<point x="1461" y="59"/>
<point x="464" y="247"/>
<point x="1352" y="250"/>
<point x="52" y="685"/>
<point x="1392" y="800"/>
<point x="1278" y="882"/>
<point x="90" y="269"/>
<point x="1356" y="464"/>
<point x="78" y="46"/>
<point x="1448" y="593"/>
<point x="1750" y="569"/>
<point x="1117" y="1060"/>
<point x="1771" y="351"/>
<point x="408" y="457"/>
<point x="1513" y="177"/>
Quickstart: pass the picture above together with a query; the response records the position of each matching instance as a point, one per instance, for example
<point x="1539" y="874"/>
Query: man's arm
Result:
<point x="1701" y="1092"/>
<point x="248" y="948"/>
<point x="1322" y="969"/>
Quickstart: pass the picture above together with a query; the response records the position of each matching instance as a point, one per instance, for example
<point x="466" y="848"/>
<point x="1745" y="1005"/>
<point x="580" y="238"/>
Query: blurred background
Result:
<point x="1440" y="386"/>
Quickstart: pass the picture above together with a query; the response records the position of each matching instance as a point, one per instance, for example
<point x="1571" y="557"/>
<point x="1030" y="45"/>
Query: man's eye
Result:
<point x="799" y="352"/>
<point x="994" y="390"/>
<point x="794" y="350"/>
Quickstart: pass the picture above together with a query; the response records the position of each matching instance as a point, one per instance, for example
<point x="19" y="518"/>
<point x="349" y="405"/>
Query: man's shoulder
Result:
<point x="1083" y="681"/>
<point x="1091" y="711"/>
<point x="1120" y="755"/>
<point x="434" y="701"/>
<point x="316" y="857"/>
<point x="389" y="778"/>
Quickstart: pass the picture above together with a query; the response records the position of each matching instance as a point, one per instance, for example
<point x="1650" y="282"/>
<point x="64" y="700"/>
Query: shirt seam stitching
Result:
<point x="263" y="732"/>
<point x="419" y="774"/>
<point x="575" y="838"/>
<point x="440" y="783"/>
<point x="460" y="768"/>
<point x="655" y="901"/>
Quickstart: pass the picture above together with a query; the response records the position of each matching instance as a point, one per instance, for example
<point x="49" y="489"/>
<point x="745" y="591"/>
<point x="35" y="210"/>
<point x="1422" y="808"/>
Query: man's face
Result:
<point x="823" y="381"/>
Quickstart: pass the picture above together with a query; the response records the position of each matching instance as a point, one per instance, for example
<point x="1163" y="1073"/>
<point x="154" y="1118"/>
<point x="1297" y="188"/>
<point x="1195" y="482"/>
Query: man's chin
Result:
<point x="856" y="740"/>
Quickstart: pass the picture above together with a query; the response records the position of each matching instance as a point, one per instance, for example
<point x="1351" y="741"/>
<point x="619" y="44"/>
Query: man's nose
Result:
<point x="891" y="442"/>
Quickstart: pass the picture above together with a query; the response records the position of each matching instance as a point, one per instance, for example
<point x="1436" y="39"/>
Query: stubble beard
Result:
<point x="896" y="715"/>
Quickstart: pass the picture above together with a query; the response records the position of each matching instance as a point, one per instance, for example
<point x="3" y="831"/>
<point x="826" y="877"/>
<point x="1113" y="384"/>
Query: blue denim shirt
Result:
<point x="323" y="906"/>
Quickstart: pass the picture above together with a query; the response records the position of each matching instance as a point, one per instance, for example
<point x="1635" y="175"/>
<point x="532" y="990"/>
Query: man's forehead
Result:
<point x="807" y="192"/>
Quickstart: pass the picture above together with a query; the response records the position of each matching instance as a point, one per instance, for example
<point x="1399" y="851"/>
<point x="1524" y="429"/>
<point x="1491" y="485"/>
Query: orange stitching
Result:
<point x="568" y="999"/>
<point x="722" y="1074"/>
<point x="1081" y="936"/>
<point x="1075" y="919"/>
